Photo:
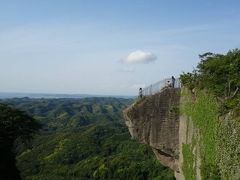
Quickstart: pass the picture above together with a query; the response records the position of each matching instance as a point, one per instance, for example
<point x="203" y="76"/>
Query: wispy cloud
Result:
<point x="139" y="57"/>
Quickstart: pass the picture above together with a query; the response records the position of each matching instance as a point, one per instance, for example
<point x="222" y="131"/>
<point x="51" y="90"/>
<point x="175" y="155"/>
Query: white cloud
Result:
<point x="139" y="57"/>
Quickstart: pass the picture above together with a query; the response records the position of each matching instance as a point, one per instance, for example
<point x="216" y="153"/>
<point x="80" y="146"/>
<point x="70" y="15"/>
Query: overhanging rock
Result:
<point x="155" y="121"/>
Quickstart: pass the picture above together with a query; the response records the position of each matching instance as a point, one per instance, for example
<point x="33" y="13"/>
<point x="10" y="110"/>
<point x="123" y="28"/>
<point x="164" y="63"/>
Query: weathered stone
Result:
<point x="155" y="121"/>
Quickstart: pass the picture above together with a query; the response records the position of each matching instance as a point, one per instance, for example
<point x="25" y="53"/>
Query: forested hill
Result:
<point x="59" y="114"/>
<point x="83" y="139"/>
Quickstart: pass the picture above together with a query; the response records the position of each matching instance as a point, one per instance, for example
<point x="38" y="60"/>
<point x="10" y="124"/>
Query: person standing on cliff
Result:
<point x="140" y="93"/>
<point x="173" y="82"/>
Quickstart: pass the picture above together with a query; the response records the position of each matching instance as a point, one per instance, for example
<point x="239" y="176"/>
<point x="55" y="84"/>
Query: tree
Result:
<point x="219" y="74"/>
<point x="14" y="125"/>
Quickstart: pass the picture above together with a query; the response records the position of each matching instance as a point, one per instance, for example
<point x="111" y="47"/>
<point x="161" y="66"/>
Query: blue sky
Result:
<point x="108" y="47"/>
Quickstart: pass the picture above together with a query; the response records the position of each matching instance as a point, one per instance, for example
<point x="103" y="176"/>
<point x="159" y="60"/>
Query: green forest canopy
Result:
<point x="86" y="139"/>
<point x="219" y="74"/>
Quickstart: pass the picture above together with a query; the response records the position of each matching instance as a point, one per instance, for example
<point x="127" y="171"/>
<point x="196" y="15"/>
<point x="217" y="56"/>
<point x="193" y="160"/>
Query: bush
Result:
<point x="219" y="74"/>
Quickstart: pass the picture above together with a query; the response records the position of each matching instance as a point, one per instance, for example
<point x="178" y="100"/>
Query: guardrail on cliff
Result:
<point x="157" y="87"/>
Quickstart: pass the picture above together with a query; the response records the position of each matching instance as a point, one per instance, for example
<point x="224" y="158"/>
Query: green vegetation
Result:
<point x="14" y="125"/>
<point x="204" y="114"/>
<point x="138" y="100"/>
<point x="219" y="74"/>
<point x="63" y="114"/>
<point x="228" y="149"/>
<point x="213" y="105"/>
<point x="188" y="163"/>
<point x="84" y="139"/>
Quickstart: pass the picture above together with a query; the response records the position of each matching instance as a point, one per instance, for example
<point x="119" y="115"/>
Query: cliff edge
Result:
<point x="155" y="121"/>
<point x="196" y="143"/>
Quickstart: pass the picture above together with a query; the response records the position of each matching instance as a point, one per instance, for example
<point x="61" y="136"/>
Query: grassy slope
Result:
<point x="218" y="141"/>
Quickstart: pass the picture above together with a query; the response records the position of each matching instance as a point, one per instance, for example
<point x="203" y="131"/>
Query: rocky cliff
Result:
<point x="187" y="134"/>
<point x="155" y="121"/>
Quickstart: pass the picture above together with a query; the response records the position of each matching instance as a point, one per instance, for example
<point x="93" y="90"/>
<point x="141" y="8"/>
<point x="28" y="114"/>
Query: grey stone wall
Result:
<point x="155" y="121"/>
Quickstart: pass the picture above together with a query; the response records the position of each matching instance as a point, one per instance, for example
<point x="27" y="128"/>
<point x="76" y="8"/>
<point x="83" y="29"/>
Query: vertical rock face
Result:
<point x="155" y="121"/>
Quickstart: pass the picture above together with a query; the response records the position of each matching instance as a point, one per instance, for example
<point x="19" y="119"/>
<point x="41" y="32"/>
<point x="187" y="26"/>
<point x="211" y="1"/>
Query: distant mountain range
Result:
<point x="4" y="95"/>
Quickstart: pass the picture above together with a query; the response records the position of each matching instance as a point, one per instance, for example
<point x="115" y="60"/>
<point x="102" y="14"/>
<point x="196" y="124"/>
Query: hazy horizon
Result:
<point x="73" y="95"/>
<point x="108" y="47"/>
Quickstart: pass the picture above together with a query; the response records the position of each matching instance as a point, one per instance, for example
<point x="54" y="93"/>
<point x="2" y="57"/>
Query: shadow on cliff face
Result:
<point x="155" y="121"/>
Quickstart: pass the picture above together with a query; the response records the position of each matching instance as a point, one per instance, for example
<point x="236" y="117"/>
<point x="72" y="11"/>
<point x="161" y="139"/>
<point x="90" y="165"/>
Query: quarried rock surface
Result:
<point x="154" y="120"/>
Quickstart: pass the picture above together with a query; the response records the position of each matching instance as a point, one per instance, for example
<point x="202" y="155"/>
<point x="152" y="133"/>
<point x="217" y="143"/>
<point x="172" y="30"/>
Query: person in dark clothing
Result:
<point x="173" y="82"/>
<point x="140" y="93"/>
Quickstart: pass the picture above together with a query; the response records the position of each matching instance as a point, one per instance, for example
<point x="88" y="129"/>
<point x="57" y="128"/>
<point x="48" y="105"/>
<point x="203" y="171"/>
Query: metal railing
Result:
<point x="159" y="86"/>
